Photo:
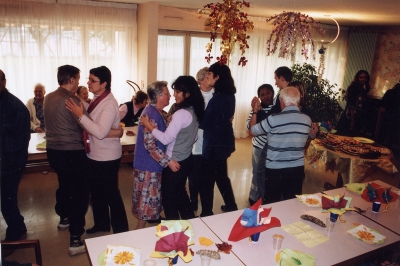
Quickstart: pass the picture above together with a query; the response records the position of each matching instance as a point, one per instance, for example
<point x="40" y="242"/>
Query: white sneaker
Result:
<point x="76" y="247"/>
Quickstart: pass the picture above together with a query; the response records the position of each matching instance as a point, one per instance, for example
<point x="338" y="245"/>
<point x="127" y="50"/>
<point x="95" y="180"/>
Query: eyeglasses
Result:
<point x="93" y="81"/>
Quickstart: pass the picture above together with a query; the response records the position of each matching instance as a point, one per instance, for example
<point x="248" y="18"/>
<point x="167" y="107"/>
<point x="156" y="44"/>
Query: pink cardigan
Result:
<point x="105" y="116"/>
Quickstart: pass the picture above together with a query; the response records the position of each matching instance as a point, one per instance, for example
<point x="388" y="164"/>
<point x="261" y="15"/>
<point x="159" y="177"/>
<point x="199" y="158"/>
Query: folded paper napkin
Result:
<point x="336" y="204"/>
<point x="254" y="220"/>
<point x="289" y="257"/>
<point x="121" y="255"/>
<point x="374" y="192"/>
<point x="355" y="187"/>
<point x="41" y="145"/>
<point x="175" y="239"/>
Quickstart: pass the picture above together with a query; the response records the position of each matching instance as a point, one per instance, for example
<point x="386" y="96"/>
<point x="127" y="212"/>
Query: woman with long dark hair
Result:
<point x="219" y="141"/>
<point x="180" y="135"/>
<point x="356" y="115"/>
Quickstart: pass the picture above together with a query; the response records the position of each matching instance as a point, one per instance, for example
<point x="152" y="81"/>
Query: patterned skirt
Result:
<point x="146" y="197"/>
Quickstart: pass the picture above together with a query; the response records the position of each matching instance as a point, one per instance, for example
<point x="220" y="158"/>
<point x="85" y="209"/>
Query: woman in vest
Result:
<point x="179" y="136"/>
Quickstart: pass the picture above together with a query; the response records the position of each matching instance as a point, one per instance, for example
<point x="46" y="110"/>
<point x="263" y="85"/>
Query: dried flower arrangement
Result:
<point x="227" y="19"/>
<point x="290" y="28"/>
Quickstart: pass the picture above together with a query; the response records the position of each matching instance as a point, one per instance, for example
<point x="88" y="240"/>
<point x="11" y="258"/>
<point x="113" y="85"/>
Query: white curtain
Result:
<point x="37" y="38"/>
<point x="170" y="62"/>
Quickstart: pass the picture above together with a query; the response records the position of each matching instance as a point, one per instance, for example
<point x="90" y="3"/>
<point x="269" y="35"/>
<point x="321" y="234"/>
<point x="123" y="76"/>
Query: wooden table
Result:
<point x="341" y="249"/>
<point x="389" y="219"/>
<point x="37" y="159"/>
<point x="145" y="239"/>
<point x="351" y="169"/>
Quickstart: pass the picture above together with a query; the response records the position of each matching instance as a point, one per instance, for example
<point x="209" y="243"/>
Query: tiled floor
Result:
<point x="37" y="199"/>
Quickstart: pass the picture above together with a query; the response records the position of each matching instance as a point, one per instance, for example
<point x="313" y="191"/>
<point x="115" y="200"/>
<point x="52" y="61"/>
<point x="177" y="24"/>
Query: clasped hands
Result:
<point x="78" y="111"/>
<point x="255" y="104"/>
<point x="145" y="121"/>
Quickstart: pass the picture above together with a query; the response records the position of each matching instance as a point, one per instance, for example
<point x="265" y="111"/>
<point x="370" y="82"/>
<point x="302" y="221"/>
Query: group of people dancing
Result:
<point x="193" y="141"/>
<point x="202" y="114"/>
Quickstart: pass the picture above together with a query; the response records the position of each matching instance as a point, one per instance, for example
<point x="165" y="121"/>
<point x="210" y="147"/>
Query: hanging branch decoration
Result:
<point x="290" y="28"/>
<point x="321" y="68"/>
<point x="228" y="20"/>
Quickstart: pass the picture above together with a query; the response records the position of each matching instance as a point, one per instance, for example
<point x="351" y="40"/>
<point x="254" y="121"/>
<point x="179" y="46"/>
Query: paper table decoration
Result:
<point x="175" y="239"/>
<point x="205" y="241"/>
<point x="375" y="192"/>
<point x="254" y="220"/>
<point x="336" y="204"/>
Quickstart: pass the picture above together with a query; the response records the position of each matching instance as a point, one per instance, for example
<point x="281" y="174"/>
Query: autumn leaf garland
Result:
<point x="227" y="19"/>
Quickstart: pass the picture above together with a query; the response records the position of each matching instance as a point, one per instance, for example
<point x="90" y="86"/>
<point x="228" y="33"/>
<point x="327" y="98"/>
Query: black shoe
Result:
<point x="96" y="229"/>
<point x="228" y="209"/>
<point x="21" y="233"/>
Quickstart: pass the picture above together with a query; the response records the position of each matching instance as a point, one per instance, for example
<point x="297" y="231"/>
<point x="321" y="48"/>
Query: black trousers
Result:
<point x="193" y="179"/>
<point x="12" y="165"/>
<point x="173" y="191"/>
<point x="283" y="184"/>
<point x="215" y="171"/>
<point x="107" y="203"/>
<point x="72" y="194"/>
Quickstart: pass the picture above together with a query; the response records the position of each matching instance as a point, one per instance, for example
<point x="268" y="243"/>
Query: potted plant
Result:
<point x="321" y="101"/>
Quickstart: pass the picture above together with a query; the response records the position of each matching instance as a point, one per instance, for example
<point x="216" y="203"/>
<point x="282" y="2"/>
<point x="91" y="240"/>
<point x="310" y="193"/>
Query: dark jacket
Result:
<point x="219" y="140"/>
<point x="15" y="132"/>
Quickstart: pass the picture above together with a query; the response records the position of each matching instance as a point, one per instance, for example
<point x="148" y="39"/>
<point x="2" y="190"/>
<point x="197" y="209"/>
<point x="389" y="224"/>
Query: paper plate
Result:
<point x="364" y="140"/>
<point x="310" y="200"/>
<point x="367" y="235"/>
<point x="356" y="187"/>
<point x="278" y="257"/>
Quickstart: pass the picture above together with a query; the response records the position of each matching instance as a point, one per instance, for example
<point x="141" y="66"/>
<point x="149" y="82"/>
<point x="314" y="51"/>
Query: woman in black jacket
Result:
<point x="219" y="141"/>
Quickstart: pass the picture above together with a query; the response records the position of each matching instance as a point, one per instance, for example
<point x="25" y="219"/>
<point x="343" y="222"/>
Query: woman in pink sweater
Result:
<point x="104" y="153"/>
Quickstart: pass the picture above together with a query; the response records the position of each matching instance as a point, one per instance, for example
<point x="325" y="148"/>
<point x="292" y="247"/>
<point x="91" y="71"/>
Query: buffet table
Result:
<point x="351" y="168"/>
<point x="37" y="158"/>
<point x="340" y="249"/>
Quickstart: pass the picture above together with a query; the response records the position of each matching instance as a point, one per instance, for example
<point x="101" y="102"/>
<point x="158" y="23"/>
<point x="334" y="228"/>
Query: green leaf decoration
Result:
<point x="298" y="262"/>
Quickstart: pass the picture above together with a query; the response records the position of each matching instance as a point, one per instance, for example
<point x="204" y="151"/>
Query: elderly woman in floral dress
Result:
<point x="150" y="158"/>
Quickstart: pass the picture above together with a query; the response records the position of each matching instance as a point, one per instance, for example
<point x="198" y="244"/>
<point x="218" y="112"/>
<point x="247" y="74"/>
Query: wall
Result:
<point x="386" y="65"/>
<point x="147" y="43"/>
<point x="170" y="18"/>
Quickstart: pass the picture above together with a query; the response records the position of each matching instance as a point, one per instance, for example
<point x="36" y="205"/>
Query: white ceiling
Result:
<point x="346" y="12"/>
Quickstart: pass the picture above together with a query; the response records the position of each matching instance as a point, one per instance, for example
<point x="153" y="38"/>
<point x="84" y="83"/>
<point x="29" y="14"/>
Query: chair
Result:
<point x="16" y="244"/>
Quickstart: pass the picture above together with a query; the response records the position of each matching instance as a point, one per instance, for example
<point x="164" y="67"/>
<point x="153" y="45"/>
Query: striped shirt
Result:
<point x="287" y="133"/>
<point x="258" y="141"/>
